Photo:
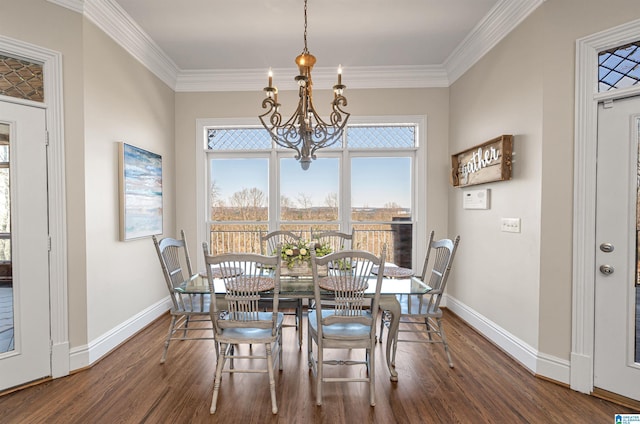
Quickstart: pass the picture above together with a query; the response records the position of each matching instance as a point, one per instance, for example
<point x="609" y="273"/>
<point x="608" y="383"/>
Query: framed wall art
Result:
<point x="140" y="181"/>
<point x="484" y="163"/>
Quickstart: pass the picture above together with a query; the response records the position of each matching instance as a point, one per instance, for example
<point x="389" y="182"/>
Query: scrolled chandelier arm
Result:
<point x="305" y="131"/>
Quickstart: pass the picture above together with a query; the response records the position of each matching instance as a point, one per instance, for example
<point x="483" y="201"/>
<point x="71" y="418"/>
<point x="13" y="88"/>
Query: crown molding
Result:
<point x="355" y="77"/>
<point x="75" y="5"/>
<point x="500" y="21"/>
<point x="115" y="22"/>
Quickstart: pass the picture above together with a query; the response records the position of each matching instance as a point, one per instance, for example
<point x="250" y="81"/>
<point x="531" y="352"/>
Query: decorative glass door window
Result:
<point x="21" y="79"/>
<point x="619" y="67"/>
<point x="6" y="278"/>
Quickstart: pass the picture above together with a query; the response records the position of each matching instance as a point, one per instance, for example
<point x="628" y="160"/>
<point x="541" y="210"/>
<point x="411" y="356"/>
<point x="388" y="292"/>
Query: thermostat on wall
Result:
<point x="476" y="199"/>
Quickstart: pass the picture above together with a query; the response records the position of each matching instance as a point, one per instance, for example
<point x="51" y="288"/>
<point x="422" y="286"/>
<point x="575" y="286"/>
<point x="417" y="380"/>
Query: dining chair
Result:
<point x="244" y="321"/>
<point x="269" y="245"/>
<point x="335" y="239"/>
<point x="186" y="309"/>
<point x="421" y="314"/>
<point x="344" y="317"/>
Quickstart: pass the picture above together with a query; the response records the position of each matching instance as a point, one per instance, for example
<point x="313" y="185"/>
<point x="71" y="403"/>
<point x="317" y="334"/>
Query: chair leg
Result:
<point x="279" y="341"/>
<point x="218" y="378"/>
<point x="272" y="380"/>
<point x="174" y="318"/>
<point x="372" y="376"/>
<point x="394" y="346"/>
<point x="309" y="348"/>
<point x="319" y="377"/>
<point x="444" y="341"/>
<point x="299" y="323"/>
<point x="429" y="331"/>
<point x="186" y="327"/>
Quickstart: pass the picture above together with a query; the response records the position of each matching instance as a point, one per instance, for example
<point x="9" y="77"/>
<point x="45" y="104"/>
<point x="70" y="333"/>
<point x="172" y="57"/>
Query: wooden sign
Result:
<point x="484" y="163"/>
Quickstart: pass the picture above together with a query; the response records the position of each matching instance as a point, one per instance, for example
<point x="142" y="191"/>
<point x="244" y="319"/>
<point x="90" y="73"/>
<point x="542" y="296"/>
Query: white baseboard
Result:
<point x="84" y="356"/>
<point x="548" y="366"/>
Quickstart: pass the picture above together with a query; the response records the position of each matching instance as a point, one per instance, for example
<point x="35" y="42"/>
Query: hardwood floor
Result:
<point x="131" y="386"/>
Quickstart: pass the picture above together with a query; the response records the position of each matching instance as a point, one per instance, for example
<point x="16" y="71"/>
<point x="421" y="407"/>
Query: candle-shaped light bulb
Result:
<point x="270" y="78"/>
<point x="339" y="74"/>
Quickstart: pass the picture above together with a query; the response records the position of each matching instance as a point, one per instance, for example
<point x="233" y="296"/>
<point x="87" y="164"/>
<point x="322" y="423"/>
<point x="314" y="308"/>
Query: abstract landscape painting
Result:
<point x="140" y="192"/>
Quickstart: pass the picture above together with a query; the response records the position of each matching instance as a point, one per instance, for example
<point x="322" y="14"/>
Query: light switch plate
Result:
<point x="510" y="225"/>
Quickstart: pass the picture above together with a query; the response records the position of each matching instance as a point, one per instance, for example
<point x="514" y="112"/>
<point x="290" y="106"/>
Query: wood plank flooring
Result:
<point x="131" y="386"/>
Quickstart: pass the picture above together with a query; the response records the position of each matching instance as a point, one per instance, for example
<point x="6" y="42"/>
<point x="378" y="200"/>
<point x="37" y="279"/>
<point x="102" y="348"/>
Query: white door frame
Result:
<point x="584" y="189"/>
<point x="53" y="102"/>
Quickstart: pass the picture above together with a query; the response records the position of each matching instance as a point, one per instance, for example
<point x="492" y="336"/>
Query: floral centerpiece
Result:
<point x="297" y="256"/>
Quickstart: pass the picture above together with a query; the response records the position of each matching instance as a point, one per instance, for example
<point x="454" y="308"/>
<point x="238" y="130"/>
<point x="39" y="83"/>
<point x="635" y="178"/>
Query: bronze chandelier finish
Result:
<point x="305" y="131"/>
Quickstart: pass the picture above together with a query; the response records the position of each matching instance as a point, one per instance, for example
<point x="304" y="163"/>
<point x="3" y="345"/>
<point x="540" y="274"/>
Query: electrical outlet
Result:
<point x="510" y="225"/>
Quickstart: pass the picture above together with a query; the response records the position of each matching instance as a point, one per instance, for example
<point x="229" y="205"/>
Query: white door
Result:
<point x="616" y="360"/>
<point x="28" y="358"/>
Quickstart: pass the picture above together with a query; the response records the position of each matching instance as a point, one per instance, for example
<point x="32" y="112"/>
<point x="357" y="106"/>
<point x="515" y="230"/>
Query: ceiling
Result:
<point x="215" y="45"/>
<point x="248" y="34"/>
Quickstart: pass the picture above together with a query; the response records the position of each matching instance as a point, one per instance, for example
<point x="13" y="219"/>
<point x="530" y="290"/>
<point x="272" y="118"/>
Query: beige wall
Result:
<point x="108" y="97"/>
<point x="56" y="28"/>
<point x="496" y="273"/>
<point x="525" y="87"/>
<point x="124" y="102"/>
<point x="431" y="103"/>
<point x="565" y="22"/>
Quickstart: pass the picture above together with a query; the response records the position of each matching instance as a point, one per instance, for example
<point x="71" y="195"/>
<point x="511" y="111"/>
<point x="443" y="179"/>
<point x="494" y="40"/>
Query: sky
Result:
<point x="376" y="181"/>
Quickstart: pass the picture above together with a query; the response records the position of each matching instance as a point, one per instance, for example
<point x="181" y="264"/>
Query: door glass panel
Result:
<point x="637" y="282"/>
<point x="6" y="280"/>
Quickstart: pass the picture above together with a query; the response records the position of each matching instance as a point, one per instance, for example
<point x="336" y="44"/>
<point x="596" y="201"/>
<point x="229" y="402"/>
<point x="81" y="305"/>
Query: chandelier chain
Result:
<point x="305" y="28"/>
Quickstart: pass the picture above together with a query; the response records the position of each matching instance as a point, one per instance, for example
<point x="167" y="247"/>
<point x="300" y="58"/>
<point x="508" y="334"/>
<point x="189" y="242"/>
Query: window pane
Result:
<point x="311" y="195"/>
<point x="21" y="79"/>
<point x="238" y="189"/>
<point x="5" y="204"/>
<point x="238" y="139"/>
<point x="380" y="188"/>
<point x="619" y="67"/>
<point x="381" y="137"/>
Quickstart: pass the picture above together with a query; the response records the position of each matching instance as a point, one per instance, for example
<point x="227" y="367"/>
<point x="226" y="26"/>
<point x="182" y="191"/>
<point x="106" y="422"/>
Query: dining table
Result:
<point x="396" y="282"/>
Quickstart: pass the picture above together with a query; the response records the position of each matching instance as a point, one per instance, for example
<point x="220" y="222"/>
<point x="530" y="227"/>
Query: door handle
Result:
<point x="606" y="247"/>
<point x="606" y="269"/>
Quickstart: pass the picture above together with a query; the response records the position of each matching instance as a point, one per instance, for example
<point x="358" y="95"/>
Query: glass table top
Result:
<point x="302" y="286"/>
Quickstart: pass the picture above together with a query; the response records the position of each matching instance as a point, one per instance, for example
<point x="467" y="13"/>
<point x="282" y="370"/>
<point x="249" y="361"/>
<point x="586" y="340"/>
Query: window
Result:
<point x="312" y="195"/>
<point x="367" y="185"/>
<point x="619" y="67"/>
<point x="5" y="204"/>
<point x="21" y="79"/>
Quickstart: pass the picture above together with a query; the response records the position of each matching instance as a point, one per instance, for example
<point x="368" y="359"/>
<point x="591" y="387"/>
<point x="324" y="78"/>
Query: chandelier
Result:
<point x="305" y="132"/>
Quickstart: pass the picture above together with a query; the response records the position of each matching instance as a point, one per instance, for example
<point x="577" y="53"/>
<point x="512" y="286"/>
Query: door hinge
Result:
<point x="46" y="138"/>
<point x="607" y="104"/>
<point x="49" y="243"/>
